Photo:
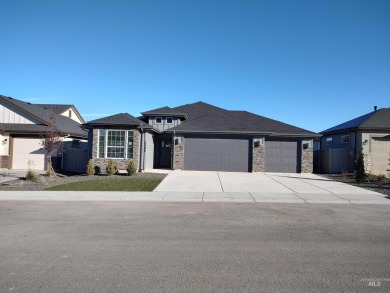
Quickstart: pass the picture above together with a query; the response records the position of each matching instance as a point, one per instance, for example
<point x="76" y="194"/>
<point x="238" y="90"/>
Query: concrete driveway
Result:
<point x="263" y="187"/>
<point x="197" y="181"/>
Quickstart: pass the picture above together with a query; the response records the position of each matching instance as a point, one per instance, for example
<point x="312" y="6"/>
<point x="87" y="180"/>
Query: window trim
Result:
<point x="343" y="136"/>
<point x="331" y="140"/>
<point x="161" y="121"/>
<point x="171" y="120"/>
<point x="105" y="146"/>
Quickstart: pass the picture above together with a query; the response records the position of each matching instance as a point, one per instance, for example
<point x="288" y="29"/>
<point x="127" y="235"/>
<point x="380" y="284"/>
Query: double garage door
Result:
<point x="27" y="150"/>
<point x="216" y="154"/>
<point x="235" y="155"/>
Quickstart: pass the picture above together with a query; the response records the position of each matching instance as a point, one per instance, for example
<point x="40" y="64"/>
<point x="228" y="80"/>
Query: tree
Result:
<point x="360" y="172"/>
<point x="51" y="141"/>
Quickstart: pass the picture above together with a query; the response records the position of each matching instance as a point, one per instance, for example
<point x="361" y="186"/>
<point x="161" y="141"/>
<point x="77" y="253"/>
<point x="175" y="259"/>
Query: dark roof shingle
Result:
<point x="163" y="111"/>
<point x="206" y="117"/>
<point x="123" y="119"/>
<point x="379" y="119"/>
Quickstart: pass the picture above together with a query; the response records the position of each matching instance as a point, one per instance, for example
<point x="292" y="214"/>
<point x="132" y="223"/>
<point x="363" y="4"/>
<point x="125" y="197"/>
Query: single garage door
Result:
<point x="25" y="149"/>
<point x="281" y="156"/>
<point x="216" y="154"/>
<point x="380" y="150"/>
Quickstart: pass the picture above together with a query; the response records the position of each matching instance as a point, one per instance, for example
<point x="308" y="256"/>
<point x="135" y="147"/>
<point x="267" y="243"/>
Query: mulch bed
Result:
<point x="372" y="183"/>
<point x="43" y="181"/>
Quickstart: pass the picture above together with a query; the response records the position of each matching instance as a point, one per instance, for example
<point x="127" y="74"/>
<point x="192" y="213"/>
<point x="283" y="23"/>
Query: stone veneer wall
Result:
<point x="258" y="154"/>
<point x="178" y="160"/>
<point x="121" y="164"/>
<point x="5" y="162"/>
<point x="307" y="161"/>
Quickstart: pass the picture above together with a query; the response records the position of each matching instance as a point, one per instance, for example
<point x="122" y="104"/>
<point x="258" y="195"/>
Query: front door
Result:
<point x="165" y="152"/>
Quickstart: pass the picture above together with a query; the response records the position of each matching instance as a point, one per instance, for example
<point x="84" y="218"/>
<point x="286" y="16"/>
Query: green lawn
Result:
<point x="109" y="185"/>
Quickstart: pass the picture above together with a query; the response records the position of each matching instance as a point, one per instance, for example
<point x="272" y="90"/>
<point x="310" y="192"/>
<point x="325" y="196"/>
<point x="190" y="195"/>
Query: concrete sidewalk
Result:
<point x="196" y="197"/>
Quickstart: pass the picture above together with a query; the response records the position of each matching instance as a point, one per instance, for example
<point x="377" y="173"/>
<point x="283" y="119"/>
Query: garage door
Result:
<point x="216" y="154"/>
<point x="281" y="156"/>
<point x="380" y="151"/>
<point x="25" y="149"/>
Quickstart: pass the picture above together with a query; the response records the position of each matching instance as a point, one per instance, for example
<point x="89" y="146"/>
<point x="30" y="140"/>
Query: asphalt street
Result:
<point x="193" y="247"/>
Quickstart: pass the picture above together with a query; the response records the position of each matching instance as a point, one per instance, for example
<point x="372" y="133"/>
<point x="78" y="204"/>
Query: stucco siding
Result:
<point x="149" y="153"/>
<point x="72" y="116"/>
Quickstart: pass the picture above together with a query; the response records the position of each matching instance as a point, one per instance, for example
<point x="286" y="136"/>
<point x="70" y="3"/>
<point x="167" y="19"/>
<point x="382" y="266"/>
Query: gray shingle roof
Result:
<point x="122" y="119"/>
<point x="57" y="108"/>
<point x="64" y="124"/>
<point x="379" y="119"/>
<point x="164" y="111"/>
<point x="216" y="122"/>
<point x="206" y="117"/>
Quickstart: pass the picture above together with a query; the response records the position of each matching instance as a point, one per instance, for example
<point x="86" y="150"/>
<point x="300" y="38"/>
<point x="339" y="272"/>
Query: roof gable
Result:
<point x="64" y="124"/>
<point x="123" y="119"/>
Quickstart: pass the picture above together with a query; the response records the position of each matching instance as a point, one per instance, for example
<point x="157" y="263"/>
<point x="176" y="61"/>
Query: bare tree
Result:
<point x="51" y="141"/>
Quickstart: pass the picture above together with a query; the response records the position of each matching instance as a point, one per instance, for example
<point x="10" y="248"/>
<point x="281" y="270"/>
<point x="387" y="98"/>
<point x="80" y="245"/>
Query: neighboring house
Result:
<point x="341" y="145"/>
<point x="200" y="136"/>
<point x="22" y="126"/>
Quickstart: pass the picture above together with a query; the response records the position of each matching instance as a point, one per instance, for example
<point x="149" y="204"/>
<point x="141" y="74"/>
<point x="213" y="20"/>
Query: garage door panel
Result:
<point x="281" y="156"/>
<point x="216" y="154"/>
<point x="25" y="150"/>
<point x="380" y="150"/>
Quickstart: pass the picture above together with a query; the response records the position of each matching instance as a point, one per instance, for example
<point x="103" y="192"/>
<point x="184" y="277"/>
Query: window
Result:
<point x="102" y="143"/>
<point x="158" y="120"/>
<point x="346" y="138"/>
<point x="70" y="113"/>
<point x="115" y="144"/>
<point x="328" y="141"/>
<point x="169" y="120"/>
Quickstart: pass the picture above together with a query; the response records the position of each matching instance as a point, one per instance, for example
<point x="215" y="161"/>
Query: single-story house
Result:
<point x="22" y="126"/>
<point x="340" y="146"/>
<point x="200" y="136"/>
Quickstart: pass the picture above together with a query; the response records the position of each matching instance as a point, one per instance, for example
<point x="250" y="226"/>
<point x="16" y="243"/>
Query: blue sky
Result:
<point x="309" y="63"/>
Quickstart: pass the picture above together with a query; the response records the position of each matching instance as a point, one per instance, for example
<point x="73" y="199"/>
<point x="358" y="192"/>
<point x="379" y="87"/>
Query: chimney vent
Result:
<point x="375" y="108"/>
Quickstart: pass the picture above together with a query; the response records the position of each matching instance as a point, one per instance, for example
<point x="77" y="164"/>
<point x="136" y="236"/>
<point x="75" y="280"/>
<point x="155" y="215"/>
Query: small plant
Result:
<point x="344" y="175"/>
<point x="131" y="168"/>
<point x="381" y="179"/>
<point x="110" y="169"/>
<point x="360" y="172"/>
<point x="90" y="168"/>
<point x="31" y="175"/>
